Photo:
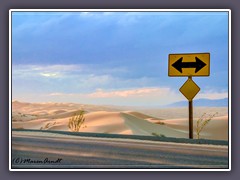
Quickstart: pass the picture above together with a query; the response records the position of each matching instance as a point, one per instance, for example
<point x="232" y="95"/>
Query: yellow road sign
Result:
<point x="189" y="89"/>
<point x="194" y="64"/>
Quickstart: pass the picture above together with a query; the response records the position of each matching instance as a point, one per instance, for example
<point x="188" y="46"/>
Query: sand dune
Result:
<point x="217" y="128"/>
<point x="143" y="127"/>
<point x="142" y="116"/>
<point x="55" y="116"/>
<point x="50" y="108"/>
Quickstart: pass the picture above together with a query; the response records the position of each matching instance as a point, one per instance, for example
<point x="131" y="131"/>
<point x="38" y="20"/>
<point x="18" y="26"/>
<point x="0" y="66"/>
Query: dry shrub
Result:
<point x="75" y="122"/>
<point x="202" y="122"/>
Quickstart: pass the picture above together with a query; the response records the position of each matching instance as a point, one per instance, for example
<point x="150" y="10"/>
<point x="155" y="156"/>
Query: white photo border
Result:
<point x="119" y="10"/>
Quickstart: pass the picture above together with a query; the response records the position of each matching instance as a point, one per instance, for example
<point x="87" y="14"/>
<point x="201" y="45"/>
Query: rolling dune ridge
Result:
<point x="116" y="120"/>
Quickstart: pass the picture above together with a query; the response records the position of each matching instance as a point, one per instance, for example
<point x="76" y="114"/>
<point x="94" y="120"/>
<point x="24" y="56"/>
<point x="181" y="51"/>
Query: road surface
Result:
<point x="75" y="152"/>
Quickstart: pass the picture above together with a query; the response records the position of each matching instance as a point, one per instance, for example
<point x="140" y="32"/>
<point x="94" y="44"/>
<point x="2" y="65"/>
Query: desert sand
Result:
<point x="170" y="122"/>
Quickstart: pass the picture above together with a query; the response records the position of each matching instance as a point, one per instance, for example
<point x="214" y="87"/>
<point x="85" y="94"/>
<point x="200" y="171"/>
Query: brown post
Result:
<point x="190" y="120"/>
<point x="190" y="108"/>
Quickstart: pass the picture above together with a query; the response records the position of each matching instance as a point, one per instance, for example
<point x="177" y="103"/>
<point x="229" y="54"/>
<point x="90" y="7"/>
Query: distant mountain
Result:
<point x="202" y="102"/>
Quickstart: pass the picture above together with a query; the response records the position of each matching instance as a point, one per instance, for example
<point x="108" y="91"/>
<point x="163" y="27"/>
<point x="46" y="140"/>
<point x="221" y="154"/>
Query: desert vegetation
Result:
<point x="76" y="122"/>
<point x="47" y="126"/>
<point x="202" y="122"/>
<point x="158" y="135"/>
<point x="160" y="123"/>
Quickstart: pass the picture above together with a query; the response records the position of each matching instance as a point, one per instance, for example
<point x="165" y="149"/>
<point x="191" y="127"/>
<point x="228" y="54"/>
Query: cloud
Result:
<point x="56" y="71"/>
<point x="59" y="94"/>
<point x="83" y="83"/>
<point x="147" y="96"/>
<point x="36" y="22"/>
<point x="54" y="75"/>
<point x="78" y="77"/>
<point x="120" y="18"/>
<point x="55" y="67"/>
<point x="127" y="93"/>
<point x="100" y="93"/>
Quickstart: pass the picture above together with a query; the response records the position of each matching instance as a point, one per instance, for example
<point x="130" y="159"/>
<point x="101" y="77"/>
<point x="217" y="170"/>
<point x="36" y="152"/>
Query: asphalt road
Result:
<point x="29" y="151"/>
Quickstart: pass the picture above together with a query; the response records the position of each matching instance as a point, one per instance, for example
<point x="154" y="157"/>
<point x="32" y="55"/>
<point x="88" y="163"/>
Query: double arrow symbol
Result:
<point x="198" y="64"/>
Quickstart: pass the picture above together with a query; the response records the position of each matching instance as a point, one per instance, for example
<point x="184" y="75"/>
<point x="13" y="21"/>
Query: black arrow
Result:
<point x="198" y="64"/>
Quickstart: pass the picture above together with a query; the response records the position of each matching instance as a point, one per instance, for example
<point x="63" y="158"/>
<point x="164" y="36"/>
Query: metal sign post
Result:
<point x="190" y="108"/>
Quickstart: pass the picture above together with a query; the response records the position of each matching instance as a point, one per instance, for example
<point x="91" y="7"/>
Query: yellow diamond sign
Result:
<point x="189" y="89"/>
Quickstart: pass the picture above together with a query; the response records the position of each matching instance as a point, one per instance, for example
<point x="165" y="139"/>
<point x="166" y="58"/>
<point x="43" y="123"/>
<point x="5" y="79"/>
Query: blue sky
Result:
<point x="118" y="58"/>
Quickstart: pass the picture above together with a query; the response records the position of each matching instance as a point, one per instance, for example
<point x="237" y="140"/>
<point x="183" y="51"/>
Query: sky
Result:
<point x="114" y="58"/>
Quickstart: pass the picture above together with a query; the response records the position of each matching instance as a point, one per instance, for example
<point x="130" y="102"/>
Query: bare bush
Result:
<point x="202" y="122"/>
<point x="48" y="125"/>
<point x="75" y="122"/>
